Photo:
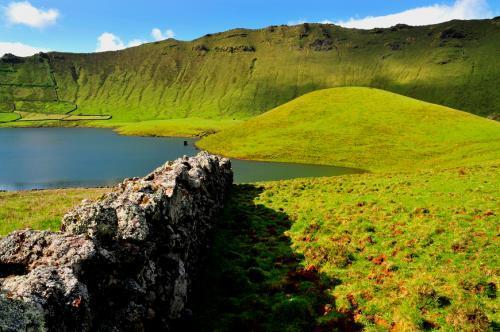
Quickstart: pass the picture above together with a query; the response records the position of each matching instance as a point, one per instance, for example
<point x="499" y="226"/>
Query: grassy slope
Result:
<point x="39" y="209"/>
<point x="185" y="127"/>
<point x="402" y="252"/>
<point x="407" y="251"/>
<point x="28" y="83"/>
<point x="242" y="73"/>
<point x="7" y="117"/>
<point x="364" y="128"/>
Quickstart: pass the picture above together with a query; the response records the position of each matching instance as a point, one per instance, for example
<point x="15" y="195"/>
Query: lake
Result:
<point x="40" y="158"/>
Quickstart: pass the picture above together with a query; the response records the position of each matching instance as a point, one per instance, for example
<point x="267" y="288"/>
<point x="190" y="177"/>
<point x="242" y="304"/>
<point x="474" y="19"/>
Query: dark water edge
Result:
<point x="44" y="158"/>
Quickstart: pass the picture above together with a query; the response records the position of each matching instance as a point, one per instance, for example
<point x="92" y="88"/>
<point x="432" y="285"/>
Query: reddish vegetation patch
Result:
<point x="381" y="322"/>
<point x="379" y="259"/>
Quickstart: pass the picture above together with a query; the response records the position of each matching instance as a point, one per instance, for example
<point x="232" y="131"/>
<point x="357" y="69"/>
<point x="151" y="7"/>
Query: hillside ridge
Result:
<point x="241" y="73"/>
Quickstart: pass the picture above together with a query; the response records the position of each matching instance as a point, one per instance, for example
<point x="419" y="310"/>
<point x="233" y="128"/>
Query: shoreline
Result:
<point x="116" y="128"/>
<point x="247" y="170"/>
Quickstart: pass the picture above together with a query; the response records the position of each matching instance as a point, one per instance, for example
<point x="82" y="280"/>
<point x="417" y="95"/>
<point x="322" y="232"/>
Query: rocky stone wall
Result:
<point x="124" y="262"/>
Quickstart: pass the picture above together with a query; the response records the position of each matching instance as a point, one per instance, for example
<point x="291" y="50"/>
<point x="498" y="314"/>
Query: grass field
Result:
<point x="7" y="117"/>
<point x="410" y="247"/>
<point x="185" y="127"/>
<point x="40" y="209"/>
<point x="363" y="128"/>
<point x="35" y="124"/>
<point x="46" y="107"/>
<point x="398" y="251"/>
<point x="34" y="119"/>
<point x="29" y="116"/>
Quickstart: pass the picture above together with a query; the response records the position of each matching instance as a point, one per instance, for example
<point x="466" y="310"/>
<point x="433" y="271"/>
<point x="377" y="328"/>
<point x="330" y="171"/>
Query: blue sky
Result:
<point x="90" y="25"/>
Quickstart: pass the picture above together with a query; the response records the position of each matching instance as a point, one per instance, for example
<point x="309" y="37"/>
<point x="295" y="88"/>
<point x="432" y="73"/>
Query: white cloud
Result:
<point x="461" y="9"/>
<point x="24" y="13"/>
<point x="109" y="42"/>
<point x="19" y="49"/>
<point x="159" y="35"/>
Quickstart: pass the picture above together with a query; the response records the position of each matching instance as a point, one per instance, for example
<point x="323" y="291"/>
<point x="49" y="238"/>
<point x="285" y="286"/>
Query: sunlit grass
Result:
<point x="6" y="117"/>
<point x="401" y="251"/>
<point x="407" y="251"/>
<point x="363" y="128"/>
<point x="185" y="127"/>
<point x="39" y="209"/>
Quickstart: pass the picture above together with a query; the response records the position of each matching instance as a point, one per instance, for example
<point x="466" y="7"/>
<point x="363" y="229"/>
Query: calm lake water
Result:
<point x="38" y="158"/>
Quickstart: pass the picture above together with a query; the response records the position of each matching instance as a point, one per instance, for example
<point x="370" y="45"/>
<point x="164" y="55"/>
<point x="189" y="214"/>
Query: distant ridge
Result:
<point x="241" y="73"/>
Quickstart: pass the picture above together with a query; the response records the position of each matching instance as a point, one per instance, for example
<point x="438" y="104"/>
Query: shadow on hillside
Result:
<point x="255" y="282"/>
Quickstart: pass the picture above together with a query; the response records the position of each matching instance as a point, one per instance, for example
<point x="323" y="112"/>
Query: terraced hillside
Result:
<point x="242" y="73"/>
<point x="25" y="81"/>
<point x="29" y="92"/>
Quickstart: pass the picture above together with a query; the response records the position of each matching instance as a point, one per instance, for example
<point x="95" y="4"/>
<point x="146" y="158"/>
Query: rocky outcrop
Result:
<point x="125" y="262"/>
<point x="320" y="45"/>
<point x="11" y="59"/>
<point x="235" y="49"/>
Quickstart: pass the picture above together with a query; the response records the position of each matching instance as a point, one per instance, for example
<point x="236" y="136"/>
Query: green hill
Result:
<point x="243" y="73"/>
<point x="361" y="127"/>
